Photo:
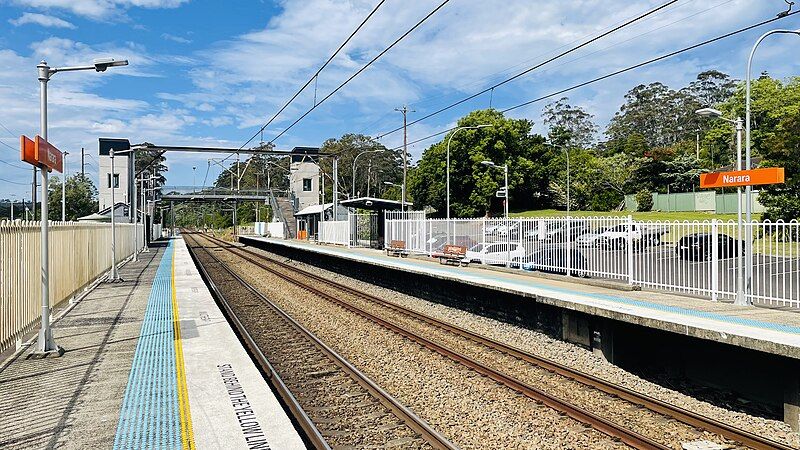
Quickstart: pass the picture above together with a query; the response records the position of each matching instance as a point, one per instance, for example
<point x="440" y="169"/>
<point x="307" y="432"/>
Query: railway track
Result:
<point x="332" y="401"/>
<point x="328" y="290"/>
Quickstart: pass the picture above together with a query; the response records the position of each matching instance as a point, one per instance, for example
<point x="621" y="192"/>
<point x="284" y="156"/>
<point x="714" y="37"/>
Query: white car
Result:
<point x="589" y="239"/>
<point x="495" y="253"/>
<point x="641" y="236"/>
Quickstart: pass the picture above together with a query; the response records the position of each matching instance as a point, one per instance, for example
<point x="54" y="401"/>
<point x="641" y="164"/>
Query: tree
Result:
<point x="711" y="88"/>
<point x="81" y="197"/>
<point x="473" y="185"/>
<point x="570" y="126"/>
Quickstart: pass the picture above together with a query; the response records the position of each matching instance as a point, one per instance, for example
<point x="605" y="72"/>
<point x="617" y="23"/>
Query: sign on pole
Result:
<point x="752" y="177"/>
<point x="40" y="153"/>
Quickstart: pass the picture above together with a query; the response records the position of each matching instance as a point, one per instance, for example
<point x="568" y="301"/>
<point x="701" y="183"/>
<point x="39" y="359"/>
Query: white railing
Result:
<point x="79" y="253"/>
<point x="335" y="232"/>
<point x="697" y="258"/>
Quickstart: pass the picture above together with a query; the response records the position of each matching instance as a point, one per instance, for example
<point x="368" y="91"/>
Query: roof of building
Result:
<point x="121" y="210"/>
<point x="374" y="204"/>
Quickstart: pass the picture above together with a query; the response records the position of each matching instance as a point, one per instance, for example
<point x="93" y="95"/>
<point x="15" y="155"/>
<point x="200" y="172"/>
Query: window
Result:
<point x="116" y="181"/>
<point x="306" y="184"/>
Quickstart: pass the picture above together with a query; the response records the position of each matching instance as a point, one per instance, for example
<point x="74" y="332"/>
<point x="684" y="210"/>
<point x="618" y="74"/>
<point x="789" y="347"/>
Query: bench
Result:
<point x="397" y="248"/>
<point x="452" y="254"/>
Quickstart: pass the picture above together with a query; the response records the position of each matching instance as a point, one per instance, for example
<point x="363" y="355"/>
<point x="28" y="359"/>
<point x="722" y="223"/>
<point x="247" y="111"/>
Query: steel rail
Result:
<point x="416" y="423"/>
<point x="681" y="414"/>
<point x="629" y="437"/>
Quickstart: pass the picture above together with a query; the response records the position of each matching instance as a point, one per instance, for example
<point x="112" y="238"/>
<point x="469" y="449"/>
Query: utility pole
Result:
<point x="405" y="112"/>
<point x="64" y="190"/>
<point x="33" y="193"/>
<point x="83" y="171"/>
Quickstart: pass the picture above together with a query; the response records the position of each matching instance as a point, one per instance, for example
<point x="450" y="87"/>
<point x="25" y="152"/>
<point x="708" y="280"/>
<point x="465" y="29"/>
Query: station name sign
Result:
<point x="752" y="177"/>
<point x="40" y="153"/>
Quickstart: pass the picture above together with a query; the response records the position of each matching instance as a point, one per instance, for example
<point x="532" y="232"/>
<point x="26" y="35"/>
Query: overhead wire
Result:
<point x="13" y="182"/>
<point x="536" y="66"/>
<point x="362" y="69"/>
<point x="621" y="71"/>
<point x="316" y="74"/>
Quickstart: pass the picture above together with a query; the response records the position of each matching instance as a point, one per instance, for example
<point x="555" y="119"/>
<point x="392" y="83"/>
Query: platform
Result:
<point x="150" y="362"/>
<point x="765" y="330"/>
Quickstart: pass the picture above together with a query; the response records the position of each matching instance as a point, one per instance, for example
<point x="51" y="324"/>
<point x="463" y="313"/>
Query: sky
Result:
<point x="210" y="73"/>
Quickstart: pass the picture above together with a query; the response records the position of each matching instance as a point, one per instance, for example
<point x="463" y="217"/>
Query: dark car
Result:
<point x="559" y="235"/>
<point x="699" y="246"/>
<point x="554" y="260"/>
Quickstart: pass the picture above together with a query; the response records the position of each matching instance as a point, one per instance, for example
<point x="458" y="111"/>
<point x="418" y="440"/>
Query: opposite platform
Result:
<point x="766" y="330"/>
<point x="149" y="362"/>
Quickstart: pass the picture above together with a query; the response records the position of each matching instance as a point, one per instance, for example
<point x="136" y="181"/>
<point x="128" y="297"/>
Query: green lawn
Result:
<point x="650" y="215"/>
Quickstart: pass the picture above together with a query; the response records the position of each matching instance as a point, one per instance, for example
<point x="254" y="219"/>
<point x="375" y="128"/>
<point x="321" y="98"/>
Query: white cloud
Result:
<point x="98" y="9"/>
<point x="40" y="19"/>
<point x="178" y="39"/>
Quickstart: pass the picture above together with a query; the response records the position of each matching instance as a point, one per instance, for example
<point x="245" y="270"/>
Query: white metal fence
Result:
<point x="79" y="253"/>
<point x="335" y="232"/>
<point x="700" y="258"/>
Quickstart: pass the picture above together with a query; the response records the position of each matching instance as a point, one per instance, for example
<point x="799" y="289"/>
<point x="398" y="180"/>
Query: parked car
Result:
<point x="554" y="260"/>
<point x="494" y="253"/>
<point x="560" y="234"/>
<point x="590" y="239"/>
<point x="503" y="230"/>
<point x="641" y="236"/>
<point x="531" y="232"/>
<point x="699" y="246"/>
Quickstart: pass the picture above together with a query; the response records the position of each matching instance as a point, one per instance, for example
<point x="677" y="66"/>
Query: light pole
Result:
<point x="711" y="112"/>
<point x="402" y="193"/>
<point x="45" y="343"/>
<point x="64" y="190"/>
<point x="749" y="189"/>
<point x="353" y="192"/>
<point x="448" y="160"/>
<point x="13" y="196"/>
<point x="194" y="178"/>
<point x="505" y="208"/>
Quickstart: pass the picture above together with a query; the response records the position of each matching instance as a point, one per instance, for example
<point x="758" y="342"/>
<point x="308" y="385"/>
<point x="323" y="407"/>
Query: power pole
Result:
<point x="405" y="112"/>
<point x="83" y="171"/>
<point x="33" y="194"/>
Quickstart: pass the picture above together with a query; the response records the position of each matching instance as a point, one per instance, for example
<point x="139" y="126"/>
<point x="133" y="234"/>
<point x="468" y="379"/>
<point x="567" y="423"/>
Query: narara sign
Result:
<point x="41" y="153"/>
<point x="736" y="178"/>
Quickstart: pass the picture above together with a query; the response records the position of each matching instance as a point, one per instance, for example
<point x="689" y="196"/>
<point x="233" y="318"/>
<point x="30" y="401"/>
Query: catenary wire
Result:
<point x="536" y="66"/>
<point x="618" y="72"/>
<point x="383" y="52"/>
<point x="316" y="74"/>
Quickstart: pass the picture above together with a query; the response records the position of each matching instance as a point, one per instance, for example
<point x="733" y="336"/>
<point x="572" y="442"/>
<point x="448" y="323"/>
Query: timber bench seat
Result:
<point x="452" y="254"/>
<point x="397" y="248"/>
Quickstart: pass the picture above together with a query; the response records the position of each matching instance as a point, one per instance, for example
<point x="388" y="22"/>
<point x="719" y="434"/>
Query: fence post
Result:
<point x="629" y="249"/>
<point x="714" y="260"/>
<point x="569" y="248"/>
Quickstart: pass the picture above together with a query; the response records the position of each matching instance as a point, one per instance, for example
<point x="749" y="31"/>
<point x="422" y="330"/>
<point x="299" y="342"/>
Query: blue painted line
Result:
<point x="149" y="416"/>
<point x="790" y="329"/>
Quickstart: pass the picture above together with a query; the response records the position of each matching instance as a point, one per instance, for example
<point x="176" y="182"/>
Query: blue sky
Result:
<point x="210" y="72"/>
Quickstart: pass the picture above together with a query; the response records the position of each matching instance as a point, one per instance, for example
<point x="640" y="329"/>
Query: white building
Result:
<point x="119" y="180"/>
<point x="304" y="177"/>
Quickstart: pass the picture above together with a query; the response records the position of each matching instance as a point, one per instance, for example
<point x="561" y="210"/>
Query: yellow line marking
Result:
<point x="187" y="435"/>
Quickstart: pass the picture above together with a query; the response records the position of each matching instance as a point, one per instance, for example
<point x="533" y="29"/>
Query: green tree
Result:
<point x="473" y="185"/>
<point x="372" y="169"/>
<point x="81" y="197"/>
<point x="570" y="126"/>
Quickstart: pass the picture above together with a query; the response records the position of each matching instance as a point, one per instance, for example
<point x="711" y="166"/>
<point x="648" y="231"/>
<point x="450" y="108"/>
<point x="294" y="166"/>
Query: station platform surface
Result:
<point x="149" y="362"/>
<point x="763" y="329"/>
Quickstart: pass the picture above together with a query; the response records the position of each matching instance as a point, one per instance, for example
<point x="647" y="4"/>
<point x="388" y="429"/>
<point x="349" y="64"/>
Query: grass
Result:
<point x="649" y="215"/>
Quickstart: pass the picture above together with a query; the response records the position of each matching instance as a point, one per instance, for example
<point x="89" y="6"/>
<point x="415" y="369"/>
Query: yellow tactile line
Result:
<point x="187" y="435"/>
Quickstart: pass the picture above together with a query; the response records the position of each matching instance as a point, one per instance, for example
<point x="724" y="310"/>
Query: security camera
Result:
<point x="101" y="64"/>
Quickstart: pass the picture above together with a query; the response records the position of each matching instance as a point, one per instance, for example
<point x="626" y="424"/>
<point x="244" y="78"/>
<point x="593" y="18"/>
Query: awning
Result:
<point x="374" y="204"/>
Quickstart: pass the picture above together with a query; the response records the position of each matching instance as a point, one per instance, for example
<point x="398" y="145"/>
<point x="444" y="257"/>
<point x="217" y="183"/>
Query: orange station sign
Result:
<point x="752" y="177"/>
<point x="41" y="153"/>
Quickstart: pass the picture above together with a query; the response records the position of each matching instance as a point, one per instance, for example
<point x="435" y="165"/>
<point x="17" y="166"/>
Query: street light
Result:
<point x="64" y="190"/>
<point x="749" y="189"/>
<point x="711" y="112"/>
<point x="505" y="208"/>
<point x="402" y="187"/>
<point x="505" y="173"/>
<point x="353" y="193"/>
<point x="46" y="343"/>
<point x="194" y="178"/>
<point x="448" y="159"/>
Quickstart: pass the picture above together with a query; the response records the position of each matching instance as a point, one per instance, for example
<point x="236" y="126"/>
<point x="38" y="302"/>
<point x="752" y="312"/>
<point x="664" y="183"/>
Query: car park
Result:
<point x="497" y="253"/>
<point x="700" y="246"/>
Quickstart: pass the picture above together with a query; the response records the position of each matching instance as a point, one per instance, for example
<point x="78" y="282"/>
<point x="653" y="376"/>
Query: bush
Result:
<point x="644" y="200"/>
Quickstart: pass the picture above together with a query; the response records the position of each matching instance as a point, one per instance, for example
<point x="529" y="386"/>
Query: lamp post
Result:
<point x="13" y="196"/>
<point x="45" y="343"/>
<point x="402" y="193"/>
<point x="505" y="208"/>
<point x="353" y="192"/>
<point x="749" y="189"/>
<point x="711" y="112"/>
<point x="194" y="178"/>
<point x="448" y="160"/>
